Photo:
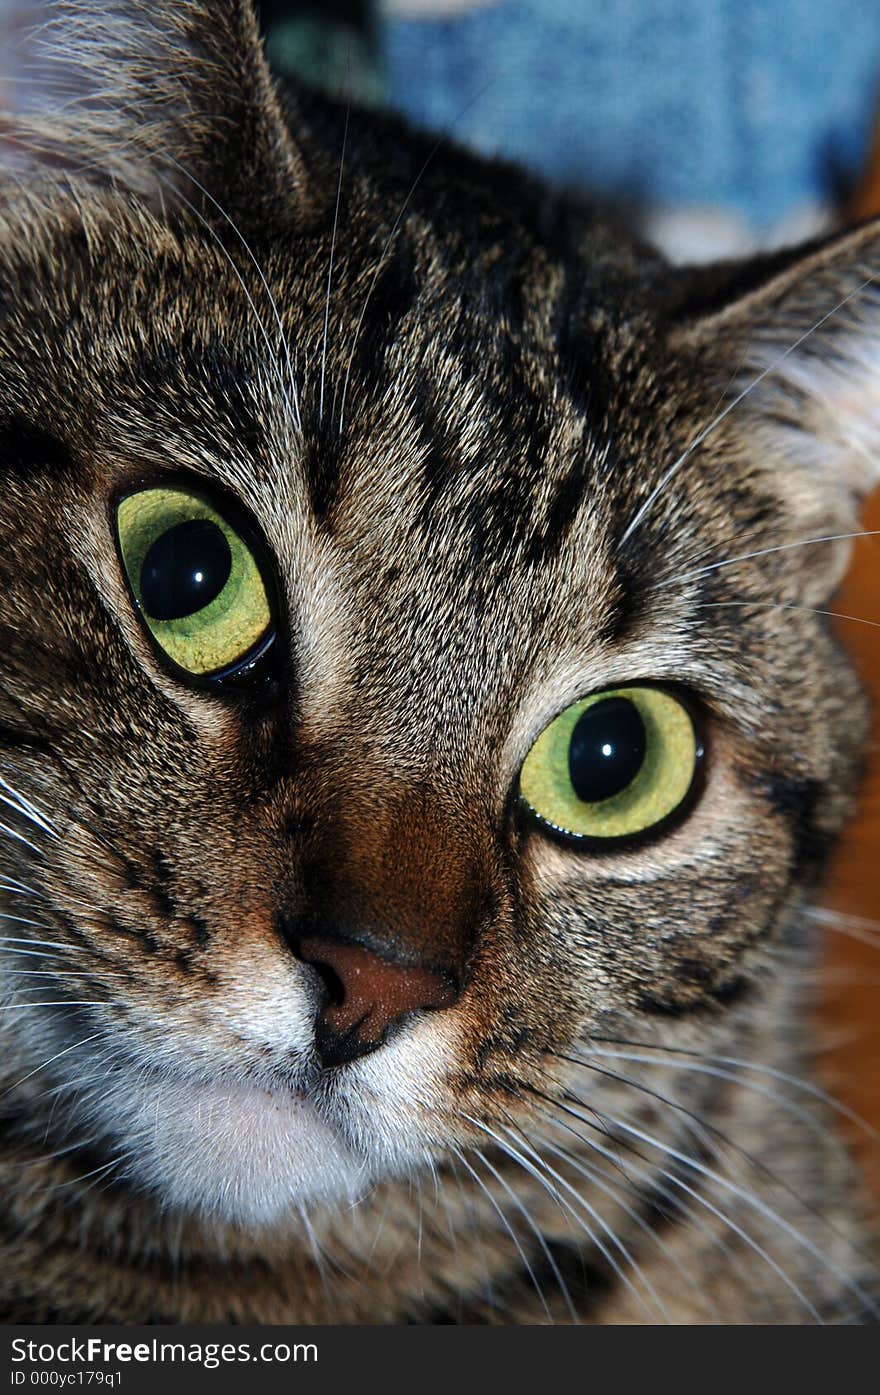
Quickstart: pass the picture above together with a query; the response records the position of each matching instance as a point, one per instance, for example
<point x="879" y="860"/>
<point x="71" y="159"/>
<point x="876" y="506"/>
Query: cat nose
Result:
<point x="366" y="995"/>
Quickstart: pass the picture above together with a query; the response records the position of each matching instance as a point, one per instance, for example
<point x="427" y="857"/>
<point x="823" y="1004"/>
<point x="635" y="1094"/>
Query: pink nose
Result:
<point x="367" y="995"/>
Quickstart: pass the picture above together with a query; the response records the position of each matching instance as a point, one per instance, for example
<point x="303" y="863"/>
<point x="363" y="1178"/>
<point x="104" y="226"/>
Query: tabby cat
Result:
<point x="421" y="727"/>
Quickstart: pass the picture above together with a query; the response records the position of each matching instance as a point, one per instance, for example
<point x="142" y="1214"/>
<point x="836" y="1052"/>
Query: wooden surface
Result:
<point x="850" y="999"/>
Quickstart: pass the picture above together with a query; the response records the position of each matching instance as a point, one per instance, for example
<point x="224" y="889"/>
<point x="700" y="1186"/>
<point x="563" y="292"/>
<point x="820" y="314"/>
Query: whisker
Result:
<point x="20" y="920"/>
<point x="273" y="357"/>
<point x="28" y="953"/>
<point x="594" y="1239"/>
<point x="782" y="605"/>
<point x="713" y="1132"/>
<point x="701" y="1200"/>
<point x="704" y="1127"/>
<point x="63" y="1002"/>
<point x="76" y="1181"/>
<point x="542" y="1241"/>
<point x="510" y="1230"/>
<point x="700" y="1068"/>
<point x="382" y="1218"/>
<point x="319" y="1255"/>
<point x="751" y="1200"/>
<point x="395" y="228"/>
<point x="807" y="1086"/>
<point x="780" y="547"/>
<point x="289" y="393"/>
<point x="24" y="806"/>
<point x="330" y="267"/>
<point x="20" y="838"/>
<point x="57" y="974"/>
<point x="469" y="1203"/>
<point x="44" y="1158"/>
<point x="866" y="932"/>
<point x="37" y="944"/>
<point x="12" y="884"/>
<point x="420" y="1234"/>
<point x="654" y="1187"/>
<point x="721" y="416"/>
<point x="603" y="1181"/>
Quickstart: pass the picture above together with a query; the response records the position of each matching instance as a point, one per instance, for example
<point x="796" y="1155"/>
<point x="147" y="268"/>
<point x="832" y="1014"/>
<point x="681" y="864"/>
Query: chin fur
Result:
<point x="237" y="1153"/>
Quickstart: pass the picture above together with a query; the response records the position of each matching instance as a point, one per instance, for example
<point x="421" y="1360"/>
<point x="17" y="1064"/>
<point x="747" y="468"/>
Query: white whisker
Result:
<point x="721" y="416"/>
<point x="289" y="393"/>
<point x="45" y="1064"/>
<point x="781" y="605"/>
<point x="658" y="1186"/>
<point x="510" y="1230"/>
<point x="716" y="1211"/>
<point x="699" y="1067"/>
<point x="758" y="1067"/>
<point x="536" y="1230"/>
<point x="395" y="228"/>
<point x="20" y="838"/>
<point x="780" y="547"/>
<point x="595" y="1239"/>
<point x="24" y="806"/>
<point x="753" y="1201"/>
<point x="38" y="944"/>
<point x="61" y="1002"/>
<point x="330" y="267"/>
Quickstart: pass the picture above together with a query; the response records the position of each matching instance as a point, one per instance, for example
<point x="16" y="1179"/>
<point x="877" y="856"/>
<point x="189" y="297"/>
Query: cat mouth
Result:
<point x="238" y="1143"/>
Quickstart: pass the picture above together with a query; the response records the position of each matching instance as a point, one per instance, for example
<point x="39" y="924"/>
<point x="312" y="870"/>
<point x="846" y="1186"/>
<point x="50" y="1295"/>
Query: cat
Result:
<point x="421" y="727"/>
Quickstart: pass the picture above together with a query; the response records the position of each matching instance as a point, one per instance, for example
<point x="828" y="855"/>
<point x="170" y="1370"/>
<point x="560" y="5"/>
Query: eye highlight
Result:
<point x="613" y="765"/>
<point x="195" y="581"/>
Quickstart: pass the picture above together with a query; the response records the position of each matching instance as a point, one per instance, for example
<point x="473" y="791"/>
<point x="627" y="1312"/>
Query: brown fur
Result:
<point x="467" y="493"/>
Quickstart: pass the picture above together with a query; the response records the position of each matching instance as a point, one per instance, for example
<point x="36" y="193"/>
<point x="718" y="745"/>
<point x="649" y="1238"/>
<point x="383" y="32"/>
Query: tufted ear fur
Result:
<point x="796" y="336"/>
<point x="151" y="95"/>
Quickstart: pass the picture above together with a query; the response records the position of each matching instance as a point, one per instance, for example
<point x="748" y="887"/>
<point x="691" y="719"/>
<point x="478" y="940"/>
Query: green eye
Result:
<point x="195" y="580"/>
<point x="612" y="765"/>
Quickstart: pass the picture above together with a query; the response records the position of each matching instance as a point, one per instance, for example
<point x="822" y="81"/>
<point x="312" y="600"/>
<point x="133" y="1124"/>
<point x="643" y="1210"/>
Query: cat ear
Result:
<point x="154" y="95"/>
<point x="793" y="341"/>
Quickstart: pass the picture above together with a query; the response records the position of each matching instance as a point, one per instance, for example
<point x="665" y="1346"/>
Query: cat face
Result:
<point x="466" y="464"/>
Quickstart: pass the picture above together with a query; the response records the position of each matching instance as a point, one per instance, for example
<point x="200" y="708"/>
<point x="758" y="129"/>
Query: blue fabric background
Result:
<point x="748" y="104"/>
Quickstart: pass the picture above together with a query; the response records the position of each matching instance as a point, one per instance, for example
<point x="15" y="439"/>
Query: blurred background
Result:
<point x="722" y="126"/>
<point x="731" y="122"/>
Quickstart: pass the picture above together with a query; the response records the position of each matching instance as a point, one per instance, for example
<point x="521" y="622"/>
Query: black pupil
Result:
<point x="607" y="749"/>
<point x="184" y="570"/>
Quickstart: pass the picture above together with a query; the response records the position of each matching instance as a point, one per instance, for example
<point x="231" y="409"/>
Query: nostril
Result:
<point x="333" y="985"/>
